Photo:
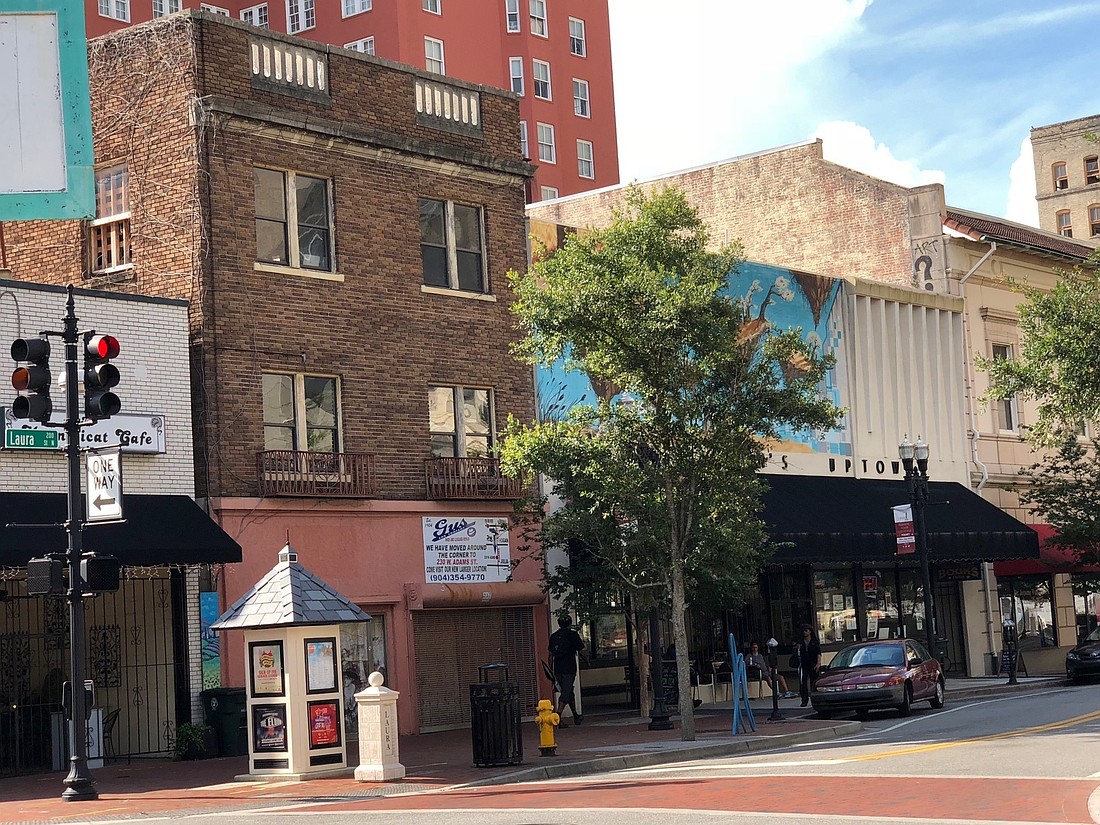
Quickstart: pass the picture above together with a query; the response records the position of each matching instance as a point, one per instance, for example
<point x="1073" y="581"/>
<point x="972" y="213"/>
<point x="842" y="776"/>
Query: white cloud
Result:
<point x="1022" y="206"/>
<point x="852" y="145"/>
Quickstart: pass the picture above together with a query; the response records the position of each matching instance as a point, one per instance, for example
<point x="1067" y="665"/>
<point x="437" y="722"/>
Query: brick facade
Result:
<point x="1068" y="143"/>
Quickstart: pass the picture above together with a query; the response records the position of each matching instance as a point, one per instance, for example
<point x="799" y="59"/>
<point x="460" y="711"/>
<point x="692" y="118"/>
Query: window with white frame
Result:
<point x="1092" y="169"/>
<point x="366" y="45"/>
<point x="538" y="17"/>
<point x="433" y="56"/>
<point x="432" y="6"/>
<point x="585" y="166"/>
<point x="1058" y="172"/>
<point x="1063" y="223"/>
<point x="115" y="9"/>
<point x="351" y="7"/>
<point x="301" y="412"/>
<point x="109" y="231"/>
<point x="540" y="71"/>
<point x="460" y="421"/>
<point x="300" y="15"/>
<point x="515" y="69"/>
<point x="511" y="15"/>
<point x="255" y="16"/>
<point x="452" y="245"/>
<point x="163" y="7"/>
<point x="547" y="153"/>
<point x="1006" y="418"/>
<point x="524" y="149"/>
<point x="293" y="220"/>
<point x="580" y="98"/>
<point x="1094" y="220"/>
<point x="548" y="193"/>
<point x="215" y="10"/>
<point x="577" y="43"/>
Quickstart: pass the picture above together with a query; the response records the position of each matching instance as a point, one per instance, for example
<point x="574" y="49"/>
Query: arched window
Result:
<point x="1094" y="220"/>
<point x="1063" y="223"/>
<point x="1061" y="179"/>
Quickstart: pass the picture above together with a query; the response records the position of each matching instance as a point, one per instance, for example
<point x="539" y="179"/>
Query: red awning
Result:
<point x="1053" y="558"/>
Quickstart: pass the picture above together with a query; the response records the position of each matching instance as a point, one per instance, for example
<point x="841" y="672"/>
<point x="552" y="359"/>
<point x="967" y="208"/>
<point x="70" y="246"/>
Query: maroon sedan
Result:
<point x="891" y="673"/>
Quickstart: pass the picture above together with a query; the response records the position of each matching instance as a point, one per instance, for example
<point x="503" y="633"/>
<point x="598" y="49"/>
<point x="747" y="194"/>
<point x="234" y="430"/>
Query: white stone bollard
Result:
<point x="378" y="732"/>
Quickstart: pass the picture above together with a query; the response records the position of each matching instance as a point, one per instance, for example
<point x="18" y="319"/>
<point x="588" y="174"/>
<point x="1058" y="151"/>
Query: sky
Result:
<point x="911" y="91"/>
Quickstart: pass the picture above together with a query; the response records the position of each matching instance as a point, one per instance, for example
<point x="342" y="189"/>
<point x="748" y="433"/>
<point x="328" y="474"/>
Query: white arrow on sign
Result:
<point x="103" y="495"/>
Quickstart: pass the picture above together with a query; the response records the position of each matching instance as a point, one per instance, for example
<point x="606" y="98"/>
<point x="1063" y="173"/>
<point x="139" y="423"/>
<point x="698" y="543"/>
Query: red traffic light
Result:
<point x="103" y="346"/>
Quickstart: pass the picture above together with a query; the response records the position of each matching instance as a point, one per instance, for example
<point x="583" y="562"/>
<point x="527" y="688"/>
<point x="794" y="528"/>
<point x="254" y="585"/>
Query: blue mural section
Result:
<point x="209" y="642"/>
<point x="777" y="300"/>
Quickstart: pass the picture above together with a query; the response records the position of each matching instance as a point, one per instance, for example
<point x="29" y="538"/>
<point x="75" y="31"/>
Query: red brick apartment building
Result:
<point x="342" y="227"/>
<point x="555" y="54"/>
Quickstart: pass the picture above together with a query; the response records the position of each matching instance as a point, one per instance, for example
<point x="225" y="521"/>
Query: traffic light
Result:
<point x="100" y="376"/>
<point x="32" y="379"/>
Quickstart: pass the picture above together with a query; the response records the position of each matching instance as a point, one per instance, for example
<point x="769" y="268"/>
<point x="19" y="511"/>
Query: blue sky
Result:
<point x="912" y="91"/>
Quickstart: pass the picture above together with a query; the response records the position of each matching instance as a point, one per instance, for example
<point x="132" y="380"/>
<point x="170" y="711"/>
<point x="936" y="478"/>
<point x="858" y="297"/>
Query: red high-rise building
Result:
<point x="556" y="54"/>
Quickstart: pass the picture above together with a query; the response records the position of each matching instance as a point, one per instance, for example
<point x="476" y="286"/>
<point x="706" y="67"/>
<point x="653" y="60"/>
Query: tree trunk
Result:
<point x="683" y="672"/>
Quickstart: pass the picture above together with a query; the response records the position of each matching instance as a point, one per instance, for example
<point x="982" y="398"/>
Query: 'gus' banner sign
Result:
<point x="466" y="550"/>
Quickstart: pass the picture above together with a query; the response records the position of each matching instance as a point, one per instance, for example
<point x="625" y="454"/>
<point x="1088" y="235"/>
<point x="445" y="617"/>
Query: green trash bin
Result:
<point x="225" y="710"/>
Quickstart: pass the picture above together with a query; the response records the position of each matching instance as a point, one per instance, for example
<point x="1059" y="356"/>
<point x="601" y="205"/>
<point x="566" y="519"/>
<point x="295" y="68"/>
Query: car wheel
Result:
<point x="906" y="706"/>
<point x="937" y="699"/>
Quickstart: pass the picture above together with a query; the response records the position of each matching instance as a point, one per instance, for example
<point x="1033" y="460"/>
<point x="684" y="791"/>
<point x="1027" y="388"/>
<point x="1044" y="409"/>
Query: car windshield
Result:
<point x="870" y="655"/>
<point x="1094" y="636"/>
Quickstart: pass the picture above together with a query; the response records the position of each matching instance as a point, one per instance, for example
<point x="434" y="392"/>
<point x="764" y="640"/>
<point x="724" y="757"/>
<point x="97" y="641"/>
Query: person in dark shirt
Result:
<point x="565" y="644"/>
<point x="809" y="656"/>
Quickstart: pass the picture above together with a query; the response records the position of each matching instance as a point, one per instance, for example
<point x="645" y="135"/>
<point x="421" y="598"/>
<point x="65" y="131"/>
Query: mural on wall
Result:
<point x="777" y="299"/>
<point x="209" y="642"/>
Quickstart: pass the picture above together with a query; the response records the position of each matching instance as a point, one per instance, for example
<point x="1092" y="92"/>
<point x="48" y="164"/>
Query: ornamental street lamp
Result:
<point x="915" y="459"/>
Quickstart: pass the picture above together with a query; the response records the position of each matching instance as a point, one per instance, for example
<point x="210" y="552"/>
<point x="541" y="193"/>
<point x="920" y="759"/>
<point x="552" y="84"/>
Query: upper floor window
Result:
<point x="541" y="72"/>
<point x="1094" y="220"/>
<point x="109" y="231"/>
<point x="460" y="420"/>
<point x="515" y="69"/>
<point x="116" y="9"/>
<point x="452" y="245"/>
<point x="547" y="152"/>
<point x="511" y="15"/>
<point x="432" y="6"/>
<point x="356" y="7"/>
<point x="1006" y="417"/>
<point x="548" y="193"/>
<point x="577" y="43"/>
<point x="1092" y="169"/>
<point x="301" y="412"/>
<point x="215" y="9"/>
<point x="580" y="98"/>
<point x="524" y="149"/>
<point x="585" y="166"/>
<point x="255" y="16"/>
<point x="366" y="45"/>
<point x="300" y="15"/>
<point x="1063" y="224"/>
<point x="538" y="17"/>
<point x="433" y="56"/>
<point x="1061" y="179"/>
<point x="293" y="220"/>
<point x="163" y="7"/>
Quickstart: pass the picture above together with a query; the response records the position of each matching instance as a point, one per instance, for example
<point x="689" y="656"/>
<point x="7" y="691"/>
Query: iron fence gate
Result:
<point x="135" y="657"/>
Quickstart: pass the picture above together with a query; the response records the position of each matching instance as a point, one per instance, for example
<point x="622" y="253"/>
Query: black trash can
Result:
<point x="225" y="711"/>
<point x="495" y="718"/>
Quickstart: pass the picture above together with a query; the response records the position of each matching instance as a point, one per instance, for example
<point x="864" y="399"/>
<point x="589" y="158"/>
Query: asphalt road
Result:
<point x="1017" y="759"/>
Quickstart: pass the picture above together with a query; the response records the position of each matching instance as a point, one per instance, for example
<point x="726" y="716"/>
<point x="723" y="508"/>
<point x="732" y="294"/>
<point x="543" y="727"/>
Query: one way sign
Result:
<point x="104" y="491"/>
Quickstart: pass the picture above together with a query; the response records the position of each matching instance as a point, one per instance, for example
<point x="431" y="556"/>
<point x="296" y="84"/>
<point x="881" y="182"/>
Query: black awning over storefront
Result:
<point x="159" y="529"/>
<point x="823" y="519"/>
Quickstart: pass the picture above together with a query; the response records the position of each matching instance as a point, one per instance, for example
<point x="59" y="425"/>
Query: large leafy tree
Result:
<point x="658" y="479"/>
<point x="1064" y="490"/>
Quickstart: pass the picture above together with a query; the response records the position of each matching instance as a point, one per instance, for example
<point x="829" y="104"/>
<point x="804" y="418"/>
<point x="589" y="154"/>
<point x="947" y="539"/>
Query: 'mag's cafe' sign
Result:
<point x="132" y="433"/>
<point x="466" y="550"/>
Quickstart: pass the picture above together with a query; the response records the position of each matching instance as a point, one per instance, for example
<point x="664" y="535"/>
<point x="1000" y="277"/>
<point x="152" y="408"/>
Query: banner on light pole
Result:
<point x="903" y="526"/>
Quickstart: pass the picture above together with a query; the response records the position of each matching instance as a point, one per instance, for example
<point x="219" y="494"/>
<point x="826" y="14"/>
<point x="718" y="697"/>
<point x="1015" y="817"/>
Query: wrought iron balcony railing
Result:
<point x="298" y="473"/>
<point x="469" y="477"/>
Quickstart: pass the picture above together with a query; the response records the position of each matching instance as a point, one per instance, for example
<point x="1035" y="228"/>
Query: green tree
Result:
<point x="1064" y="490"/>
<point x="1057" y="365"/>
<point x="661" y="484"/>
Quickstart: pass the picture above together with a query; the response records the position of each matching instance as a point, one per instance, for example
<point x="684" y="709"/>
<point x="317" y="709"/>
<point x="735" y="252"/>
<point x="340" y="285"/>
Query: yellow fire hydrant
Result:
<point x="547" y="720"/>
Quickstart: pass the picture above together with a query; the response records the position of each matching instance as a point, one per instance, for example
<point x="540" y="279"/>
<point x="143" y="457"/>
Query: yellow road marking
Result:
<point x="1087" y="717"/>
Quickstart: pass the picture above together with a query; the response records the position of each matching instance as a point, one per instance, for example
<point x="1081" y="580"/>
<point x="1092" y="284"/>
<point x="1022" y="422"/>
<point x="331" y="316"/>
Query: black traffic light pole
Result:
<point x="79" y="782"/>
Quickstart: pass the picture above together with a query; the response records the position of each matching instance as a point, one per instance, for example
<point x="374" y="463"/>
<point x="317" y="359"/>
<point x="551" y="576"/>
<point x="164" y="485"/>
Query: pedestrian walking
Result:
<point x="565" y="644"/>
<point x="809" y="662"/>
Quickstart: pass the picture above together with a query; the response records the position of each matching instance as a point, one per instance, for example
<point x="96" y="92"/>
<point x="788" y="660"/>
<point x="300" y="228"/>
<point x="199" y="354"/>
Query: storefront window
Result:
<point x="362" y="651"/>
<point x="1086" y="602"/>
<point x="610" y="636"/>
<point x="880" y="605"/>
<point x="1027" y="601"/>
<point x="912" y="603"/>
<point x="836" y="606"/>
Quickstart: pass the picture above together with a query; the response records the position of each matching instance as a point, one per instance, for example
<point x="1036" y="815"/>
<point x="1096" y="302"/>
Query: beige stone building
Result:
<point x="1067" y="176"/>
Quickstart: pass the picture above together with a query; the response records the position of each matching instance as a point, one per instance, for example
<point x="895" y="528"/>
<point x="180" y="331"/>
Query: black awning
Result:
<point x="825" y="519"/>
<point x="159" y="529"/>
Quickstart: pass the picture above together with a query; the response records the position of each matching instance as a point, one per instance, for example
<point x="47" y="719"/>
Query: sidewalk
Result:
<point x="606" y="741"/>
